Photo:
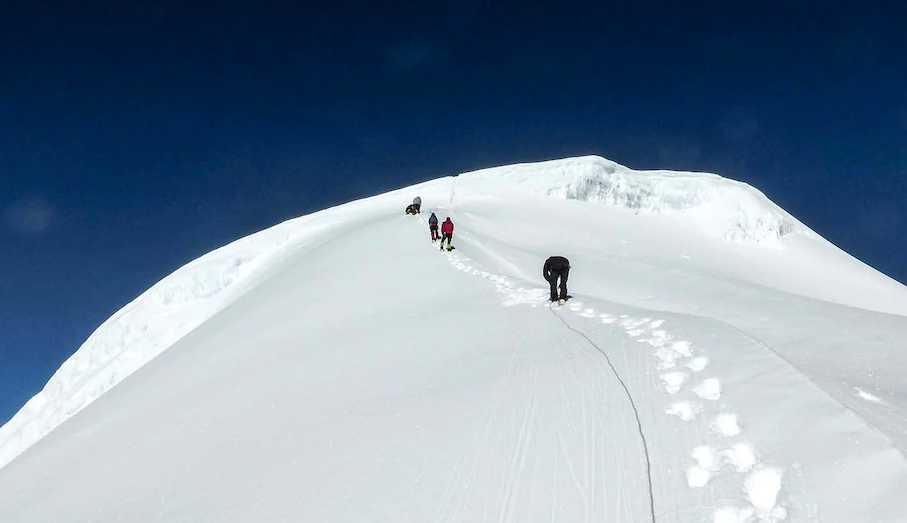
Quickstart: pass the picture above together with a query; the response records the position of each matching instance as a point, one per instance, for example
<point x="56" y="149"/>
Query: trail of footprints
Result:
<point x="682" y="374"/>
<point x="681" y="368"/>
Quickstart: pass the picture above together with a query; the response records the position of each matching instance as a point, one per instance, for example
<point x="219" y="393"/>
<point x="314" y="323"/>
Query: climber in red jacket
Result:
<point x="446" y="233"/>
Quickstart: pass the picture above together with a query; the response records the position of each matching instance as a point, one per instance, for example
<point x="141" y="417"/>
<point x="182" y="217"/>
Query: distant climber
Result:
<point x="417" y="203"/>
<point x="433" y="227"/>
<point x="557" y="267"/>
<point x="412" y="209"/>
<point x="447" y="233"/>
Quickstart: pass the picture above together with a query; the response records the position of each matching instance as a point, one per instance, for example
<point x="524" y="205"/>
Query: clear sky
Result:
<point x="136" y="136"/>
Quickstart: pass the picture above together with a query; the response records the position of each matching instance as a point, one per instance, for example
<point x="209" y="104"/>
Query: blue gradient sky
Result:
<point x="135" y="137"/>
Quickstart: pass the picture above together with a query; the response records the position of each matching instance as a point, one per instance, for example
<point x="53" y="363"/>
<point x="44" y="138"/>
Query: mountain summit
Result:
<point x="717" y="361"/>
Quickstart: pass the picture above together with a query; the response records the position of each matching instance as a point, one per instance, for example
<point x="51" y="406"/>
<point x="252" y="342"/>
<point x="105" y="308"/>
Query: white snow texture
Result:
<point x="718" y="361"/>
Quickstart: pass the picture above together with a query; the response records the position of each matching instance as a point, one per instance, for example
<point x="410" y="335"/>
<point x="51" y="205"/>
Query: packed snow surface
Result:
<point x="718" y="361"/>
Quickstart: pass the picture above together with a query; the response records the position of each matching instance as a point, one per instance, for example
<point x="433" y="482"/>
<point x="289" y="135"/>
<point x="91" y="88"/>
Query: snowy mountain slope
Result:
<point x="684" y="213"/>
<point x="357" y="373"/>
<point x="161" y="316"/>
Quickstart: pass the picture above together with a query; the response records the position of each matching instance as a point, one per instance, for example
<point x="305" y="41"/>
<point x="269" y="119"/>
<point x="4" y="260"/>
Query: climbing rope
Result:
<point x="642" y="436"/>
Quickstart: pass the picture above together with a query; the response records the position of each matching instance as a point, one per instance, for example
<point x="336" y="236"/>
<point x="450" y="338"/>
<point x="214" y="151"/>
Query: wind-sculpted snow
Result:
<point x="725" y="208"/>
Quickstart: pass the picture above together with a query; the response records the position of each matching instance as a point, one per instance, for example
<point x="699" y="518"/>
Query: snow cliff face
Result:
<point x="731" y="210"/>
<point x="438" y="386"/>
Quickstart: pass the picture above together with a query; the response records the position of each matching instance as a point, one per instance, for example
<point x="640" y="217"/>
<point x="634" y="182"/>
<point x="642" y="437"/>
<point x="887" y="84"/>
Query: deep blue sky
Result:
<point x="136" y="136"/>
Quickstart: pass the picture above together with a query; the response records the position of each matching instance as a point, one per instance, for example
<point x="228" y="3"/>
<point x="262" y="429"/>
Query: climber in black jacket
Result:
<point x="557" y="267"/>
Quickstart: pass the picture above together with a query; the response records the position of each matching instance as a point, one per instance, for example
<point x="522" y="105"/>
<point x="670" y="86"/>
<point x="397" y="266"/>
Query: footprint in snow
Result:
<point x="709" y="389"/>
<point x="685" y="410"/>
<point x="698" y="363"/>
<point x="762" y="487"/>
<point x="740" y="455"/>
<point x="682" y="348"/>
<point x="673" y="381"/>
<point x="726" y="425"/>
<point x="670" y="355"/>
<point x="607" y="319"/>
<point x="633" y="323"/>
<point x="667" y="357"/>
<point x="588" y="313"/>
<point x="709" y="462"/>
<point x="659" y="338"/>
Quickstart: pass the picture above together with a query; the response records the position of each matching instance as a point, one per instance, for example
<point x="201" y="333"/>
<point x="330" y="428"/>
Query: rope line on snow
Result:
<point x="645" y="444"/>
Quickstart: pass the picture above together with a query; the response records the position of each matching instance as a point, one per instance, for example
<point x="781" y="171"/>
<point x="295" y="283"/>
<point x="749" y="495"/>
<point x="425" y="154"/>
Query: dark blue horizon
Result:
<point x="138" y="137"/>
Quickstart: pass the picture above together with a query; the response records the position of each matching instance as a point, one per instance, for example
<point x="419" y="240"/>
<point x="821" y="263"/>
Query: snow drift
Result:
<point x="720" y="361"/>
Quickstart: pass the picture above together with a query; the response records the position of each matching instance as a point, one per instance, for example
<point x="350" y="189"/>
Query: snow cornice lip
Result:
<point x="728" y="209"/>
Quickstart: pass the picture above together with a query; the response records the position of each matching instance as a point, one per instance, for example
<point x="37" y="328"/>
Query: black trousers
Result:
<point x="434" y="232"/>
<point x="563" y="286"/>
<point x="446" y="236"/>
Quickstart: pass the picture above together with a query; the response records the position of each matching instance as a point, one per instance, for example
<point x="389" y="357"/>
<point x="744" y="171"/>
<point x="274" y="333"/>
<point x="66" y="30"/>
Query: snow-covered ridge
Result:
<point x="732" y="210"/>
<point x="130" y="338"/>
<point x="171" y="309"/>
<point x="191" y="295"/>
<point x="142" y="330"/>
